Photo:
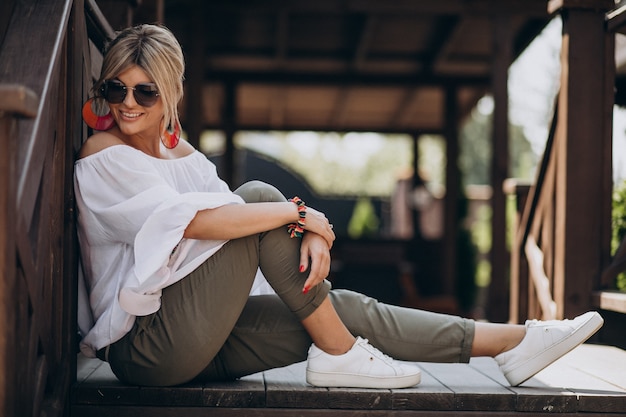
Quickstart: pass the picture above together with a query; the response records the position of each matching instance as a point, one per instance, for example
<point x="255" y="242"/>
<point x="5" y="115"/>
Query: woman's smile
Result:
<point x="129" y="115"/>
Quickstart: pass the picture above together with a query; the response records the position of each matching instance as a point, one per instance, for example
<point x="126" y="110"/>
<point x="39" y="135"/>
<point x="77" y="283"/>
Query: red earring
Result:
<point x="170" y="137"/>
<point x="95" y="121"/>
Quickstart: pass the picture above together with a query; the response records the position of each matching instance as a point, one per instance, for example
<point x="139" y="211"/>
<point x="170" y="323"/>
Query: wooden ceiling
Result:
<point x="378" y="65"/>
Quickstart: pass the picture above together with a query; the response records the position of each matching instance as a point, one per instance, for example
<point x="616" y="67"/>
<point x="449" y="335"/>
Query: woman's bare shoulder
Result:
<point x="98" y="142"/>
<point x="183" y="149"/>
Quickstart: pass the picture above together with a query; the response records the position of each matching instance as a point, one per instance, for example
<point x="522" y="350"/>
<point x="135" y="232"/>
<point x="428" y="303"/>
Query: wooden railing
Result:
<point x="43" y="76"/>
<point x="531" y="294"/>
<point x="16" y="103"/>
<point x="49" y="57"/>
<point x="562" y="243"/>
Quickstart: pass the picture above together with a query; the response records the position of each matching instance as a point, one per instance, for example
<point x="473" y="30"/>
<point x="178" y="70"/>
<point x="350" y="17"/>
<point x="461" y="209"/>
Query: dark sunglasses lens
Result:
<point x="146" y="95"/>
<point x="114" y="92"/>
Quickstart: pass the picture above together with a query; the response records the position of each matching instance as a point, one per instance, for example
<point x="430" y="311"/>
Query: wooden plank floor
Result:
<point x="589" y="381"/>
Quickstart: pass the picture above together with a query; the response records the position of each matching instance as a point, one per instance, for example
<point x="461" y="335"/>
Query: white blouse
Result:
<point x="132" y="212"/>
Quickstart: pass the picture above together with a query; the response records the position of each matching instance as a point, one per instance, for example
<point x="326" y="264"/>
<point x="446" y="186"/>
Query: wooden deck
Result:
<point x="590" y="381"/>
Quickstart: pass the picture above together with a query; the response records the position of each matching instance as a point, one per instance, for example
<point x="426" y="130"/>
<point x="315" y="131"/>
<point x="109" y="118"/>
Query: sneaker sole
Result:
<point x="322" y="379"/>
<point x="525" y="370"/>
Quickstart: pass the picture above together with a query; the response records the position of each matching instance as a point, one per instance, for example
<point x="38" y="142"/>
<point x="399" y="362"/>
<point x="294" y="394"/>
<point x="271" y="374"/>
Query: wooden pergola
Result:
<point x="389" y="67"/>
<point x="361" y="65"/>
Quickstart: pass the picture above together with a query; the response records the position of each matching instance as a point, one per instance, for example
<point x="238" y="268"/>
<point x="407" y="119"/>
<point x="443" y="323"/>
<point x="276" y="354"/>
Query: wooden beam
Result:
<point x="610" y="300"/>
<point x="338" y="115"/>
<point x="278" y="107"/>
<point x="325" y="128"/>
<point x="422" y="8"/>
<point x="408" y="96"/>
<point x="345" y="78"/>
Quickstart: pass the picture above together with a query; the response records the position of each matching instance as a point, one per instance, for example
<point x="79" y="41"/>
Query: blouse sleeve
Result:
<point x="126" y="201"/>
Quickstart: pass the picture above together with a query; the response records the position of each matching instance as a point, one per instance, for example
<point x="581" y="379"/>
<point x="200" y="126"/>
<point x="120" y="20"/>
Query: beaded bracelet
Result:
<point x="297" y="229"/>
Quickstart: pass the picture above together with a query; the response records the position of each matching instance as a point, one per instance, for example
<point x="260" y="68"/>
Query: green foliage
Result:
<point x="363" y="222"/>
<point x="353" y="164"/>
<point x="476" y="150"/>
<point x="619" y="226"/>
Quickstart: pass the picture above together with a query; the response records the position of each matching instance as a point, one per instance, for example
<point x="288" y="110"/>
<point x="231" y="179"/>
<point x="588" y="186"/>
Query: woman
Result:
<point x="169" y="255"/>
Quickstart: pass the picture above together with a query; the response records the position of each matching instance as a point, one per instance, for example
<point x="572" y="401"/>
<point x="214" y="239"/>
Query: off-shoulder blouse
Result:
<point x="132" y="212"/>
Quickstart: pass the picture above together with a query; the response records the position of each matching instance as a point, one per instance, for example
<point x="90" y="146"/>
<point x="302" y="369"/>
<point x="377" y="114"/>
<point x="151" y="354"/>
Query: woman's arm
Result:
<point x="238" y="220"/>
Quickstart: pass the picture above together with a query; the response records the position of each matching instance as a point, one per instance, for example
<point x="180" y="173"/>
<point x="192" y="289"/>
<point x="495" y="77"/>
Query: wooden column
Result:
<point x="229" y="115"/>
<point x="194" y="109"/>
<point x="417" y="180"/>
<point x="453" y="183"/>
<point x="583" y="150"/>
<point x="497" y="308"/>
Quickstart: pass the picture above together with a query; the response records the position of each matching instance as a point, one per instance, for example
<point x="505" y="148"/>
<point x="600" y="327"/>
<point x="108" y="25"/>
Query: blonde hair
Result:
<point x="157" y="52"/>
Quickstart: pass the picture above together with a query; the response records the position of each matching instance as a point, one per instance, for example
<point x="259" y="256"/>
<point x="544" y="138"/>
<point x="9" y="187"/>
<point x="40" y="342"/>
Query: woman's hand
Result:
<point x="316" y="250"/>
<point x="317" y="222"/>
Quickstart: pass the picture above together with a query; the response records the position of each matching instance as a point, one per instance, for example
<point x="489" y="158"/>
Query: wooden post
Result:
<point x="194" y="110"/>
<point x="453" y="184"/>
<point x="518" y="301"/>
<point x="229" y="122"/>
<point x="417" y="181"/>
<point x="497" y="308"/>
<point x="583" y="150"/>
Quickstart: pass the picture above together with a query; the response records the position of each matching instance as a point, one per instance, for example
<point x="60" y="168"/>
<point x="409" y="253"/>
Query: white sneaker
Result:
<point x="363" y="366"/>
<point x="544" y="343"/>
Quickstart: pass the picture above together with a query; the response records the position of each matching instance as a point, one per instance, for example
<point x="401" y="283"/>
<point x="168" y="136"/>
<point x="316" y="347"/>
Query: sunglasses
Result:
<point x="114" y="91"/>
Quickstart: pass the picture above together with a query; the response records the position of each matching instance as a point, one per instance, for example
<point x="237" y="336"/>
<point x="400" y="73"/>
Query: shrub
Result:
<point x="619" y="226"/>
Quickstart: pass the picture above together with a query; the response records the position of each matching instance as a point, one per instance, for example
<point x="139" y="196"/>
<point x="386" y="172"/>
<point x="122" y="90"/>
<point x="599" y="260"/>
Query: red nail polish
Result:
<point x="301" y="268"/>
<point x="306" y="289"/>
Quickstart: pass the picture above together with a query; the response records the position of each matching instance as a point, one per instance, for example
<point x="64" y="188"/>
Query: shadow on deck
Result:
<point x="590" y="381"/>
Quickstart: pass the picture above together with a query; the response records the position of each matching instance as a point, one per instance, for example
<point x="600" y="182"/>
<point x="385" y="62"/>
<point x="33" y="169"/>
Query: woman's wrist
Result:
<point x="297" y="229"/>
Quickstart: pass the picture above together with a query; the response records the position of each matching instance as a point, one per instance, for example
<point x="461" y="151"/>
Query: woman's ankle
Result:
<point x="336" y="347"/>
<point x="327" y="330"/>
<point x="491" y="339"/>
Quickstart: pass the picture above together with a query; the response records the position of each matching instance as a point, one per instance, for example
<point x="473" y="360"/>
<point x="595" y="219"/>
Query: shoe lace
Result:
<point x="374" y="351"/>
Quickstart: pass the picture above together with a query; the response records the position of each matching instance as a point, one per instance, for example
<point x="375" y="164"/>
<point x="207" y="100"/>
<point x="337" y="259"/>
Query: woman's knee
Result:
<point x="258" y="192"/>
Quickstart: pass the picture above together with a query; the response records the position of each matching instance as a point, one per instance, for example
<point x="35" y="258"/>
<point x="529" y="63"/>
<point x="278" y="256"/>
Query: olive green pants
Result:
<point x="209" y="328"/>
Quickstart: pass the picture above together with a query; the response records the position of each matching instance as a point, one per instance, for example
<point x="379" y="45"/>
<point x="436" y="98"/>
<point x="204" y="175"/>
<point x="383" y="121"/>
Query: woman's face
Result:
<point x="131" y="117"/>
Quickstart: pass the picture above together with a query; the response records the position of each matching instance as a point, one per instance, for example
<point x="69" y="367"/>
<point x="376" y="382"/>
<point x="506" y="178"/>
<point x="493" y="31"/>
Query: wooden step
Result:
<point x="590" y="380"/>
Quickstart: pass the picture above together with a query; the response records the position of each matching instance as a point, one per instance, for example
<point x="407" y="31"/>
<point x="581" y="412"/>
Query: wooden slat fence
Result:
<point x="39" y="252"/>
<point x="16" y="103"/>
<point x="561" y="262"/>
